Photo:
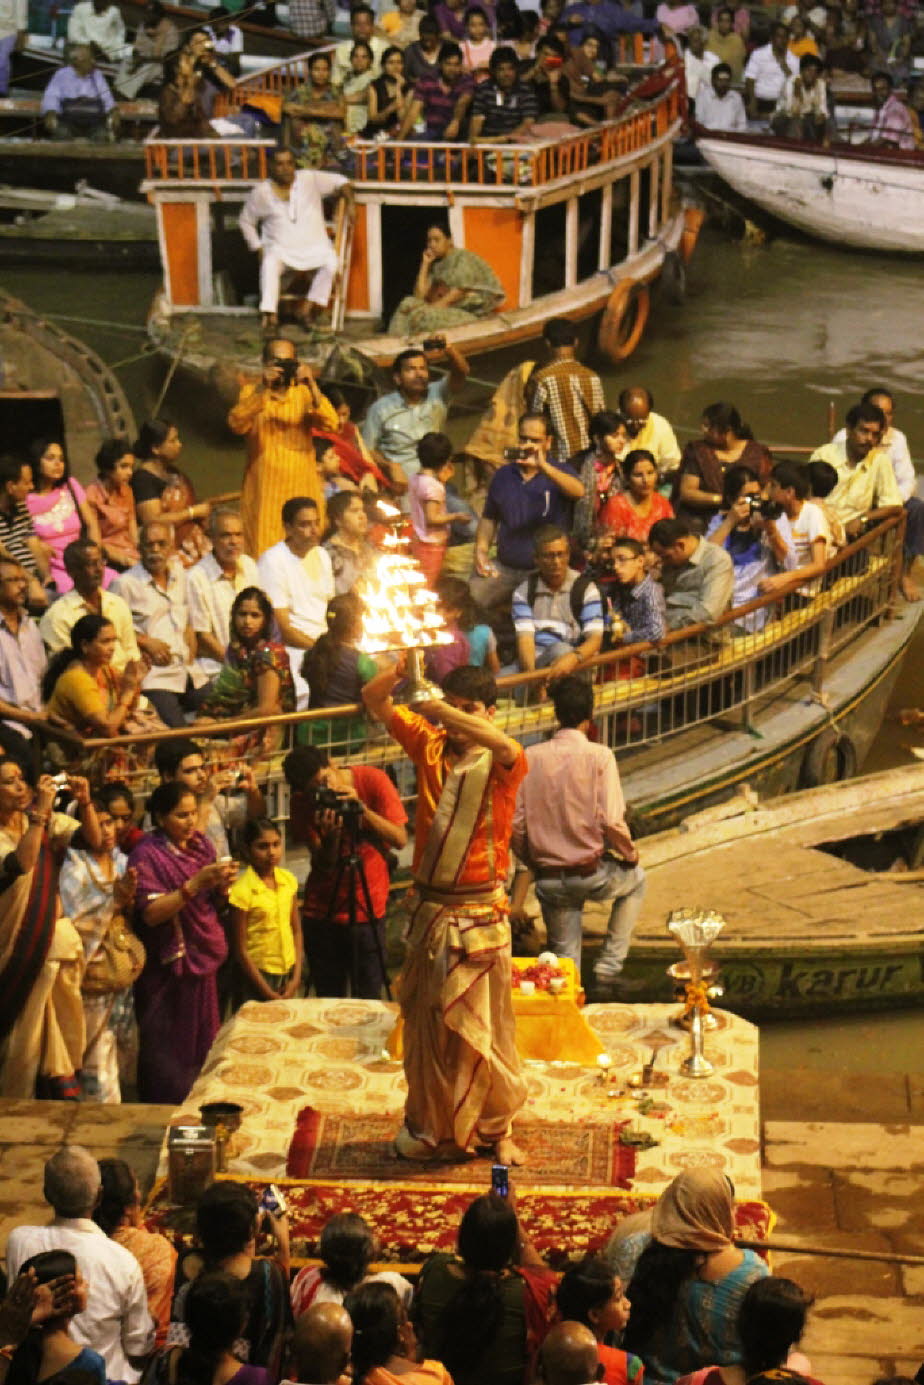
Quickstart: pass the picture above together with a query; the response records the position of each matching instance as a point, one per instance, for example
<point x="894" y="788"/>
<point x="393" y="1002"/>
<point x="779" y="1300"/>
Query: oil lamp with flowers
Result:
<point x="401" y="614"/>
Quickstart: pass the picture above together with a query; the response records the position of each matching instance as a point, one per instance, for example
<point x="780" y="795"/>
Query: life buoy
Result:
<point x="624" y="319"/>
<point x="693" y="219"/>
<point x="829" y="759"/>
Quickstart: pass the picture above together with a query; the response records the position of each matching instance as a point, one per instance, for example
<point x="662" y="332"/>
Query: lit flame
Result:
<point x="401" y="612"/>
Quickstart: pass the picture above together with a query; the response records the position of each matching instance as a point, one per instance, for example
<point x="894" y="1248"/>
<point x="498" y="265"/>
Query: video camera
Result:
<point x="341" y="804"/>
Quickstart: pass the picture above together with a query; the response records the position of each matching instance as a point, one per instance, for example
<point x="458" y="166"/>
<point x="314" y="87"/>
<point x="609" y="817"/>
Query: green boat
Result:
<point x="822" y="892"/>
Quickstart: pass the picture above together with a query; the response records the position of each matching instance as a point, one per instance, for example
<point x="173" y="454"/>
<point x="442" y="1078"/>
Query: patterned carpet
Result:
<point x="362" y="1147"/>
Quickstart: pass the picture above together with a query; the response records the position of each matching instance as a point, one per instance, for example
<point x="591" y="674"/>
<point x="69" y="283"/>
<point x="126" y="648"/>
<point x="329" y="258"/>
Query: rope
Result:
<point x="177" y="357"/>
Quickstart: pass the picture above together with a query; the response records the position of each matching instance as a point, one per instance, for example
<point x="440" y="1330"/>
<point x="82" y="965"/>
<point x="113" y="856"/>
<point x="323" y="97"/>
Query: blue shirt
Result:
<point x="642" y="608"/>
<point x="394" y="427"/>
<point x="611" y="20"/>
<point x="65" y="85"/>
<point x="518" y="507"/>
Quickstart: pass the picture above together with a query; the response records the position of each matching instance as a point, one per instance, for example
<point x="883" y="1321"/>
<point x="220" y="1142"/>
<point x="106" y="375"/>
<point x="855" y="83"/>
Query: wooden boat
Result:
<point x="75" y="228"/>
<point x="845" y="194"/>
<point x="821" y="892"/>
<point x="54" y="386"/>
<point x="578" y="226"/>
<point x="27" y="159"/>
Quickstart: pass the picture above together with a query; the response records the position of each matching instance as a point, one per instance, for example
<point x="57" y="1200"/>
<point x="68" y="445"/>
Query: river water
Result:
<point x="779" y="328"/>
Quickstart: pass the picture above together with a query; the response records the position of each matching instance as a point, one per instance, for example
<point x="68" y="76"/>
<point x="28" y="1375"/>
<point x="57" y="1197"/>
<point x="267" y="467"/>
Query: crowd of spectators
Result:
<point x="133" y="606"/>
<point x="670" y="1297"/>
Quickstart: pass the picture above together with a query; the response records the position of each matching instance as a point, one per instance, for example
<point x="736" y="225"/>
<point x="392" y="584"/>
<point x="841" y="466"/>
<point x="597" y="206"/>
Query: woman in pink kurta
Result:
<point x="59" y="509"/>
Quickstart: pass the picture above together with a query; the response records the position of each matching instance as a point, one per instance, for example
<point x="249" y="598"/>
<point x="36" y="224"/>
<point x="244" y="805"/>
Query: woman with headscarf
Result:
<point x="690" y="1279"/>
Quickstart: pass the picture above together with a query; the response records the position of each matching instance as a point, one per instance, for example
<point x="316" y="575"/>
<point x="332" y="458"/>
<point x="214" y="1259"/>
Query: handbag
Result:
<point x="117" y="962"/>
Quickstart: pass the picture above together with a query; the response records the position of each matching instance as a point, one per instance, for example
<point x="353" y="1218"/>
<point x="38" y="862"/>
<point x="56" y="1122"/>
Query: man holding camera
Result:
<point x="283" y="221"/>
<point x="337" y="809"/>
<point x="528" y="491"/>
<point x="277" y="415"/>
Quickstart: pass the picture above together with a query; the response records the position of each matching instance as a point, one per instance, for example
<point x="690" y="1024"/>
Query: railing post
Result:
<point x="825" y="632"/>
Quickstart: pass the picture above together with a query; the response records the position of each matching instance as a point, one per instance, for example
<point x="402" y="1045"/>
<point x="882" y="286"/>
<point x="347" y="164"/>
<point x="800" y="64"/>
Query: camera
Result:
<point x="288" y="369"/>
<point x="325" y="798"/>
<point x="517" y="454"/>
<point x="433" y="343"/>
<point x="767" y="509"/>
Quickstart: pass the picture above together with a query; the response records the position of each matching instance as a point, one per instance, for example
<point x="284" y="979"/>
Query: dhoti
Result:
<point x="320" y="257"/>
<point x="460" y="1059"/>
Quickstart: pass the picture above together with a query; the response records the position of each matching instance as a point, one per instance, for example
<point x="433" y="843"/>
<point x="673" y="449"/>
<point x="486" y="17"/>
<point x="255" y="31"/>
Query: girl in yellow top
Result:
<point x="266" y="936"/>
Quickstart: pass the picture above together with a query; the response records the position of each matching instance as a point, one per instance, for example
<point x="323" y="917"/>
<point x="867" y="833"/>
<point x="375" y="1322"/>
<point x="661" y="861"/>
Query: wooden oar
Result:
<point x="836" y="1252"/>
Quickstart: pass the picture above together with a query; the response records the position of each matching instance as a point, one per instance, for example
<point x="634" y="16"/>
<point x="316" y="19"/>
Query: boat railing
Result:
<point x="526" y="166"/>
<point x="717" y="674"/>
<point x="206" y="161"/>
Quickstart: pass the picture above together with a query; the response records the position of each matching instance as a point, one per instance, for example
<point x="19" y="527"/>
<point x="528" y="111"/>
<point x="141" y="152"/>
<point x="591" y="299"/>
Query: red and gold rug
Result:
<point x="362" y="1147"/>
<point x="411" y="1220"/>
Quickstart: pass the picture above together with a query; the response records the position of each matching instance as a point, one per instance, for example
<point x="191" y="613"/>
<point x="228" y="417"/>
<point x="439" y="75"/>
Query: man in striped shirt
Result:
<point x="18" y="538"/>
<point x="558" y="623"/>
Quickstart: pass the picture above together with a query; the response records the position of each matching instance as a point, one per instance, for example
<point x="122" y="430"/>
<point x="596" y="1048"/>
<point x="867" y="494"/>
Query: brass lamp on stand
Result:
<point x="696" y="932"/>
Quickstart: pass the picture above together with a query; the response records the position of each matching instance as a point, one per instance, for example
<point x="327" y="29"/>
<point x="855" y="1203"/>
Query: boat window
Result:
<point x="589" y="234"/>
<point x="404" y="239"/>
<point x="549" y="258"/>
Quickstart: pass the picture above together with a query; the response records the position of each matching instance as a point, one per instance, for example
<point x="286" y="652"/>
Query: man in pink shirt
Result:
<point x="569" y="830"/>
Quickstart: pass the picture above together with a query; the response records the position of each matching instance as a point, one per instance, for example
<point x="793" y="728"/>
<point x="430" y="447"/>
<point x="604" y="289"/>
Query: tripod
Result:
<point x="350" y="868"/>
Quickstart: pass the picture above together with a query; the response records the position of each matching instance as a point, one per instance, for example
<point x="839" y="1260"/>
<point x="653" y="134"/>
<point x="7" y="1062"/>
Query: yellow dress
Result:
<point x="280" y="457"/>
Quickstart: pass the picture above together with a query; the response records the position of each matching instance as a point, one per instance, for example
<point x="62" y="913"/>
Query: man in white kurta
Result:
<point x="283" y="219"/>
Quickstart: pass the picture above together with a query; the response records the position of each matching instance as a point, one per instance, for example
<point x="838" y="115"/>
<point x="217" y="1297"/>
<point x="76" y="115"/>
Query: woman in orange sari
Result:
<point x="119" y="1214"/>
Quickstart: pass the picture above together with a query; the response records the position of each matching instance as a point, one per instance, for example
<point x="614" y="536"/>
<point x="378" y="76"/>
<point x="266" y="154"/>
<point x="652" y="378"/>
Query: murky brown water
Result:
<point x="779" y="329"/>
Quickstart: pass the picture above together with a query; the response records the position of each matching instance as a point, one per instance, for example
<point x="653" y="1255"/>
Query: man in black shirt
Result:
<point x="503" y="108"/>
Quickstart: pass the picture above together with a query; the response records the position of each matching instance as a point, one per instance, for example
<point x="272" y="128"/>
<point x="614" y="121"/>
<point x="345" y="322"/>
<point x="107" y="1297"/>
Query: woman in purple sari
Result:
<point x="180" y="886"/>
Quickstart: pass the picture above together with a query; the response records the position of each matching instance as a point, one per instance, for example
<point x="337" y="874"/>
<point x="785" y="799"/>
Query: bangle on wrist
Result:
<point x="34" y="815"/>
<point x="186" y="893"/>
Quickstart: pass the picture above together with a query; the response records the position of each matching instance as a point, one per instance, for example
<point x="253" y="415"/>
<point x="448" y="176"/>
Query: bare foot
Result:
<point x="506" y="1152"/>
<point x="270" y="322"/>
<point x="910" y="590"/>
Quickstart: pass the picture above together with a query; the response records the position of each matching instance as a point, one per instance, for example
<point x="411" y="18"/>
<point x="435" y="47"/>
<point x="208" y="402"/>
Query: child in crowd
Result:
<point x="822" y="479"/>
<point x="346" y="1249"/>
<point x="328" y="464"/>
<point x="97" y="894"/>
<point x="356" y="87"/>
<point x="430" y="520"/>
<point x="335" y="671"/>
<point x="638" y="600"/>
<point x="478" y="45"/>
<point x="459" y="614"/>
<point x="590" y="1293"/>
<point x="266" y="935"/>
<point x="111" y="500"/>
<point x="49" y="1352"/>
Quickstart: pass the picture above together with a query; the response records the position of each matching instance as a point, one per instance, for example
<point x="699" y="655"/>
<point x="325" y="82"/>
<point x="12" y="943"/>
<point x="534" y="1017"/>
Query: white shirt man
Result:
<point x="101" y="26"/>
<point x="83" y="561"/>
<point x="718" y="107"/>
<point x="298" y="578"/>
<point x="766" y="69"/>
<point x="212" y="585"/>
<point x="697" y="70"/>
<point x="283" y="218"/>
<point x="116" y="1321"/>
<point x="155" y="590"/>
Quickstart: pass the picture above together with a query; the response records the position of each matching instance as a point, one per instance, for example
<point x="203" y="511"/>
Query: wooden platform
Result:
<point x="278" y="1057"/>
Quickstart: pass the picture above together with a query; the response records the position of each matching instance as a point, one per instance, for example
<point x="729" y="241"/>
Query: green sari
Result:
<point x="482" y="294"/>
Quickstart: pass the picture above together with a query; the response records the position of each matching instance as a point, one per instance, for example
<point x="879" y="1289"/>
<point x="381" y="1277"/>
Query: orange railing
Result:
<point x="211" y="161"/>
<point x="515" y="166"/>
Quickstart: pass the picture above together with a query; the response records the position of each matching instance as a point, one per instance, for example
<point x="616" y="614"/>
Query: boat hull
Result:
<point x="839" y="195"/>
